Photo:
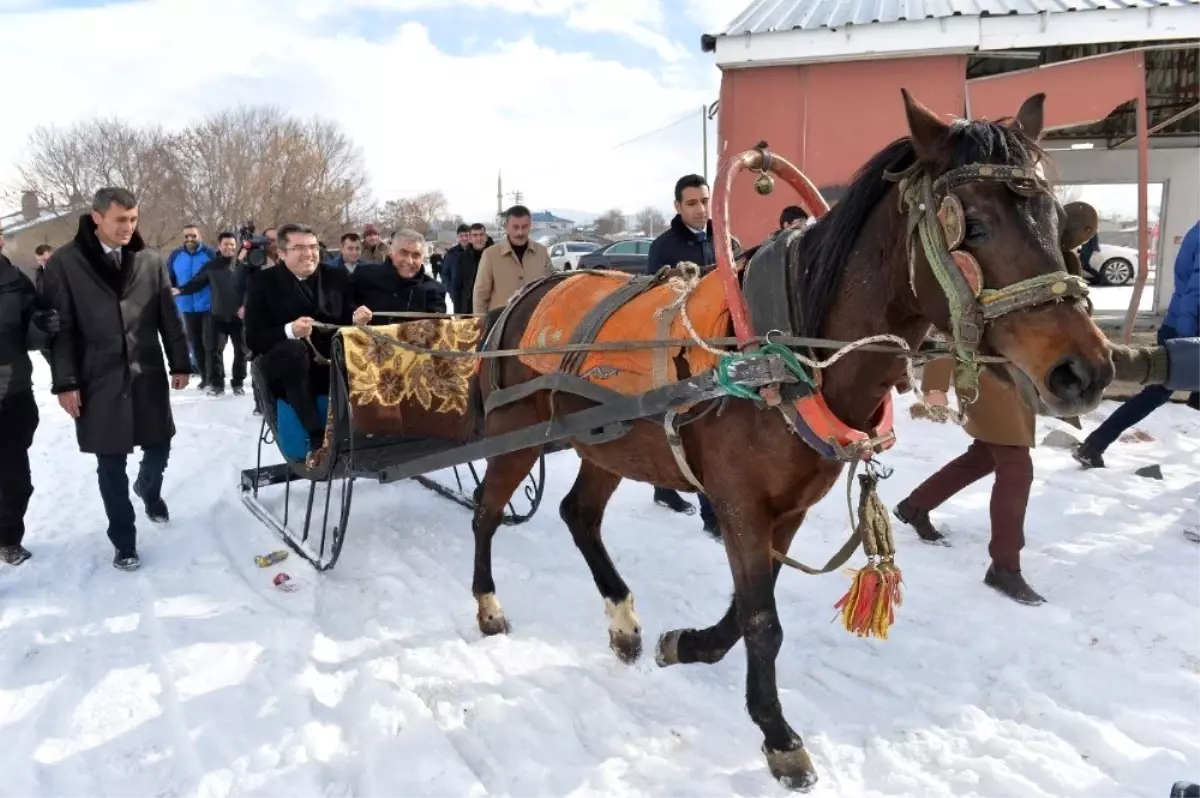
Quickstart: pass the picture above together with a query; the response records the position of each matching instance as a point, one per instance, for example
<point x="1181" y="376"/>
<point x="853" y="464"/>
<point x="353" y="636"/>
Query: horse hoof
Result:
<point x="493" y="625"/>
<point x="793" y="769"/>
<point x="628" y="647"/>
<point x="667" y="651"/>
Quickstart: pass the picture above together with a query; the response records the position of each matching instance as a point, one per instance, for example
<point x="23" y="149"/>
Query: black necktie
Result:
<point x="115" y="257"/>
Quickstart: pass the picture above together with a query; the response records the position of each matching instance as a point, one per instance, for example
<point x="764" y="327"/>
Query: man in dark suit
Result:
<point x="400" y="285"/>
<point x="117" y="316"/>
<point x="282" y="305"/>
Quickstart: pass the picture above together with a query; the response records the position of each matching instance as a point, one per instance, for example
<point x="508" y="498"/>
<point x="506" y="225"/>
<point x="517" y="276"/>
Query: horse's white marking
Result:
<point x="489" y="606"/>
<point x="622" y="620"/>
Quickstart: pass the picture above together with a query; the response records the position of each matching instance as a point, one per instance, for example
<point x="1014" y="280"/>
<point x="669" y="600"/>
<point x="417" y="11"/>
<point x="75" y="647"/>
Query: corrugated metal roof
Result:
<point x="764" y="16"/>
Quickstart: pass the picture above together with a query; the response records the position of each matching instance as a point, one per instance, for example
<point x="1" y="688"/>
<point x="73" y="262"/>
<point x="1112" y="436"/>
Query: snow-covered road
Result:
<point x="195" y="676"/>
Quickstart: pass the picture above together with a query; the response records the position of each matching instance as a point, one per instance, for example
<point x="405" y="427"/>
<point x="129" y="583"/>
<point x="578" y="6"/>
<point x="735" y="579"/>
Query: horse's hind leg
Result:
<point x="583" y="509"/>
<point x="504" y="474"/>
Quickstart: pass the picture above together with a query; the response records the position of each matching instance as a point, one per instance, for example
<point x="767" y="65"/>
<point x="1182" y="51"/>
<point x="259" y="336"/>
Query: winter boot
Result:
<point x="239" y="390"/>
<point x="665" y="497"/>
<point x="215" y="391"/>
<point x="918" y="519"/>
<point x="14" y="555"/>
<point x="156" y="509"/>
<point x="1010" y="582"/>
<point x="126" y="560"/>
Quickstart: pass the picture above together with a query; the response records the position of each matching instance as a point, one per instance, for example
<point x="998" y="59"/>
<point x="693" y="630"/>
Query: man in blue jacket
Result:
<point x="182" y="265"/>
<point x="1182" y="321"/>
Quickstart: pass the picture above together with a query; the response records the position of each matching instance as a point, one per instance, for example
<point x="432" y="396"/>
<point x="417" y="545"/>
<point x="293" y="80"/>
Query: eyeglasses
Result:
<point x="305" y="248"/>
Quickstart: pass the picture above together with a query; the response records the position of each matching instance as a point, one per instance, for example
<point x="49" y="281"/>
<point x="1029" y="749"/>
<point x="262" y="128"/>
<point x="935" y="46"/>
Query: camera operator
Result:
<point x="227" y="279"/>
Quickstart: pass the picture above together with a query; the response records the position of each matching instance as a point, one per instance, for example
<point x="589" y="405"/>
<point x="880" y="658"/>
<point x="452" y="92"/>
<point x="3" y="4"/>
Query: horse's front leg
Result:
<point x="754" y="572"/>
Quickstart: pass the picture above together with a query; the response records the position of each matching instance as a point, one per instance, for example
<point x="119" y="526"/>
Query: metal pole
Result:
<point x="704" y="127"/>
<point x="1143" y="172"/>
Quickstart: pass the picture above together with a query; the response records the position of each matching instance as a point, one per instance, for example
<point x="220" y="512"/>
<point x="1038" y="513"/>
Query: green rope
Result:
<point x="788" y="357"/>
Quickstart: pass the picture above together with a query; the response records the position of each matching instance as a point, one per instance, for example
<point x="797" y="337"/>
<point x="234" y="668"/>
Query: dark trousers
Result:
<point x="114" y="489"/>
<point x="292" y="374"/>
<point x="194" y="324"/>
<point x="220" y="332"/>
<point x="1013" y="467"/>
<point x="18" y="420"/>
<point x="1135" y="409"/>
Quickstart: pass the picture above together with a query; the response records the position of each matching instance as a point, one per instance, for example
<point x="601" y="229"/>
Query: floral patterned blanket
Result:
<point x="394" y="391"/>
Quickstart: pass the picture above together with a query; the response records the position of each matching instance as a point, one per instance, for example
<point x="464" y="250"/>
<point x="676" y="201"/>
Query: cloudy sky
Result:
<point x="440" y="94"/>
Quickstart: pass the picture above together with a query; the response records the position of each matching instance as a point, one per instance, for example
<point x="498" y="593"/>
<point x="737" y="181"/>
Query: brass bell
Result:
<point x="764" y="184"/>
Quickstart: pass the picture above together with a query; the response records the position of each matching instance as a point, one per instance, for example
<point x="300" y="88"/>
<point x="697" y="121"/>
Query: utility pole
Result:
<point x="704" y="126"/>
<point x="499" y="194"/>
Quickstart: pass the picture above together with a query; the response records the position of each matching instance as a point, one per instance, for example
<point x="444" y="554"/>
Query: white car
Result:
<point x="1113" y="265"/>
<point x="565" y="255"/>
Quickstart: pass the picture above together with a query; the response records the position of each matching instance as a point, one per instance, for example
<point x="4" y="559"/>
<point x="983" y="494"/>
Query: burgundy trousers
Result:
<point x="1013" y="467"/>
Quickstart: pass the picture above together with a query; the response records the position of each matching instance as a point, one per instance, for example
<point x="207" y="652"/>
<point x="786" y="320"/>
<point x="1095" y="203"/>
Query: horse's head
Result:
<point x="987" y="251"/>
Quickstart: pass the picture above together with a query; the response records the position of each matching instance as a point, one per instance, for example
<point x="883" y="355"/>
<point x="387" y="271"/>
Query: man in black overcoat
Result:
<point x="400" y="285"/>
<point x="282" y="304"/>
<point x="114" y="303"/>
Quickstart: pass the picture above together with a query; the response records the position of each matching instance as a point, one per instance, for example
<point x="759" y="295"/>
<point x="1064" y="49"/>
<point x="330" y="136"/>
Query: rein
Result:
<point x="790" y="341"/>
<point x="937" y="220"/>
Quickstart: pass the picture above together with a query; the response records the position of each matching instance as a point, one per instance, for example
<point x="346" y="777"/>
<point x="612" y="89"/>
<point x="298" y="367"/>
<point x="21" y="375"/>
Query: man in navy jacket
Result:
<point x="689" y="238"/>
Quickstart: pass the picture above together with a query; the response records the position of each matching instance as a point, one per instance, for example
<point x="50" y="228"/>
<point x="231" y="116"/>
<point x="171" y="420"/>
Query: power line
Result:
<point x="690" y="116"/>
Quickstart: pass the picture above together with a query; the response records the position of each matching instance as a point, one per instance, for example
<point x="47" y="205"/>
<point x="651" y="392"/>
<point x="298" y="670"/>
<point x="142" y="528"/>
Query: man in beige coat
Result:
<point x="507" y="266"/>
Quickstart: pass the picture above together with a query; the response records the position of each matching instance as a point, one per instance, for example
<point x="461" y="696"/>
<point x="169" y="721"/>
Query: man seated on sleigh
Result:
<point x="285" y="310"/>
<point x="399" y="284"/>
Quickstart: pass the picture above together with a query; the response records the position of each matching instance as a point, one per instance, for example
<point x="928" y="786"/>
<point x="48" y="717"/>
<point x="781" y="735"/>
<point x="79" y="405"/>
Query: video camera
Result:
<point x="255" y="245"/>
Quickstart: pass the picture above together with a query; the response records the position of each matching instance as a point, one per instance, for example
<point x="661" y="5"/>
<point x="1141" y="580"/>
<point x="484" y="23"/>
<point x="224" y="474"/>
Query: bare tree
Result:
<point x="611" y="222"/>
<point x="650" y="221"/>
<point x="421" y="213"/>
<point x="247" y="163"/>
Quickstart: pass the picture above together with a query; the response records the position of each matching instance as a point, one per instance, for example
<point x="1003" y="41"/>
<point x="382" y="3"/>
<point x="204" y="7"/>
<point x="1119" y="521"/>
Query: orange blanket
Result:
<point x="641" y="319"/>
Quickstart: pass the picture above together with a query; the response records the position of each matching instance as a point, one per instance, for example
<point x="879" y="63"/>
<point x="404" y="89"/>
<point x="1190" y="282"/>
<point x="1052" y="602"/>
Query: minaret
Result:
<point x="499" y="195"/>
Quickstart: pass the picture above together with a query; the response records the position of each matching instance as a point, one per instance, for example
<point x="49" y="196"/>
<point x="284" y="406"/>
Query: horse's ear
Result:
<point x="928" y="133"/>
<point x="1082" y="223"/>
<point x="1031" y="118"/>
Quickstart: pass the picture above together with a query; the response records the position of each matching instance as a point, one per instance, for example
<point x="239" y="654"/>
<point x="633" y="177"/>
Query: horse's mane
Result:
<point x="826" y="248"/>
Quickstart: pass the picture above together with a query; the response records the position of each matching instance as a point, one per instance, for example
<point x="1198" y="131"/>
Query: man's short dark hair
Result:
<point x="351" y="237"/>
<point x="463" y="228"/>
<point x="290" y="229"/>
<point x="190" y="226"/>
<point x="517" y="211"/>
<point x="224" y="235"/>
<point x="42" y="249"/>
<point x="476" y="226"/>
<point x="108" y="196"/>
<point x="688" y="181"/>
<point x="790" y="214"/>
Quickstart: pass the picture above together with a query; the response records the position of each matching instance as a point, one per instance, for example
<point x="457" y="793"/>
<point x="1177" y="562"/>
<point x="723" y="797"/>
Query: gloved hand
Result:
<point x="47" y="321"/>
<point x="1183" y="357"/>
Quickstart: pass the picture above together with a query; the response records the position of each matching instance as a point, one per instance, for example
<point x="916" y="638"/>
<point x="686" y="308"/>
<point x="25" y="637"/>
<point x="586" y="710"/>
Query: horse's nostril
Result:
<point x="1070" y="378"/>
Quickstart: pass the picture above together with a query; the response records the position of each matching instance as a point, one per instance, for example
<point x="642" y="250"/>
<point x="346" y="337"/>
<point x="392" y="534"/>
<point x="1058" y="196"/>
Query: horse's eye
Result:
<point x="975" y="230"/>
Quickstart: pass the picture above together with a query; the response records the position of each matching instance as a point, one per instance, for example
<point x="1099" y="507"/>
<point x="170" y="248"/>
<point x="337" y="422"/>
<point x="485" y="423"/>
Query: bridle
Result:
<point x="937" y="220"/>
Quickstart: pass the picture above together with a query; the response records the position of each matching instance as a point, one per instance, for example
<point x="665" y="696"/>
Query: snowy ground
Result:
<point x="194" y="676"/>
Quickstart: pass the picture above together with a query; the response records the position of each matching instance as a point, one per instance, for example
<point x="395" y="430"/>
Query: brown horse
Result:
<point x="854" y="275"/>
